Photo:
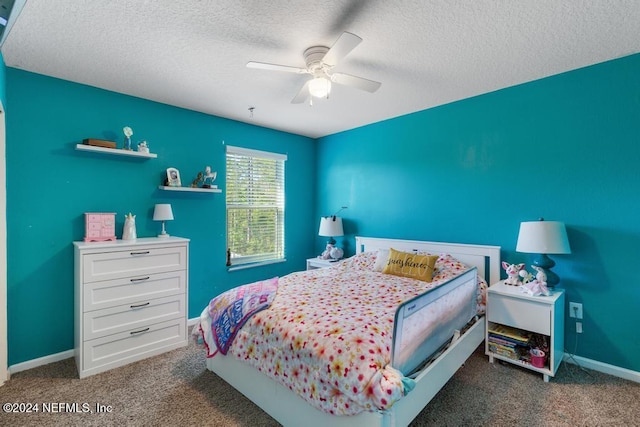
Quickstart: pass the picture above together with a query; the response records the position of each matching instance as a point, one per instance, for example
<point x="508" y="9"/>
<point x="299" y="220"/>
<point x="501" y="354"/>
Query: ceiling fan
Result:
<point x="320" y="61"/>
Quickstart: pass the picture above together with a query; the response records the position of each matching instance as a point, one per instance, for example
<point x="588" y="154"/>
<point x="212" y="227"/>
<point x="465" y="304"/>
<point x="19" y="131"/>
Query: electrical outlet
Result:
<point x="575" y="310"/>
<point x="578" y="327"/>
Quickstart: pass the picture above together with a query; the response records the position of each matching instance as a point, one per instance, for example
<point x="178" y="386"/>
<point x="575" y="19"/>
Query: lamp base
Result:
<point x="163" y="234"/>
<point x="545" y="263"/>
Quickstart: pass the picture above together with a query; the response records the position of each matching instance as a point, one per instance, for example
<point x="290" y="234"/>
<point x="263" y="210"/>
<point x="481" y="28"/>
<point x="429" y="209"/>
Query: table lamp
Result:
<point x="163" y="212"/>
<point x="542" y="238"/>
<point x="331" y="226"/>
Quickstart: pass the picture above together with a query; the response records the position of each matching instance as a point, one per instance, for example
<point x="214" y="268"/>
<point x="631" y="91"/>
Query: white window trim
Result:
<point x="231" y="149"/>
<point x="255" y="264"/>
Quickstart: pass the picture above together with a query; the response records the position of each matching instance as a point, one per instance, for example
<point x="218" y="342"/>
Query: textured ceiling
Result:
<point x="192" y="53"/>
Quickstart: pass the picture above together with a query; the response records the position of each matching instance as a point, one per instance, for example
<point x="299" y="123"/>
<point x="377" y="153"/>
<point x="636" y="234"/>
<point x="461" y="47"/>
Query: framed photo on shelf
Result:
<point x="173" y="177"/>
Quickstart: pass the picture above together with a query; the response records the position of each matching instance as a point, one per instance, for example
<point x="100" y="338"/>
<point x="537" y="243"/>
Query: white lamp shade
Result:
<point x="331" y="226"/>
<point x="543" y="237"/>
<point x="163" y="212"/>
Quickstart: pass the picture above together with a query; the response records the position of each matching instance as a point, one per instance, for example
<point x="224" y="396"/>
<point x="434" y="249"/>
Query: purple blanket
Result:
<point x="231" y="309"/>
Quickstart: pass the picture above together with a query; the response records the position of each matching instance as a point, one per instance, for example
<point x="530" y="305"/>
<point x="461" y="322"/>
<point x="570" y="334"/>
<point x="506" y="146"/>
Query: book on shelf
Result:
<point x="502" y="351"/>
<point x="510" y="333"/>
<point x="499" y="339"/>
<point x="99" y="143"/>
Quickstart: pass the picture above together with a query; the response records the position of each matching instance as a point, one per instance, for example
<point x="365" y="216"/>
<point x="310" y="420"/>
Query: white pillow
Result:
<point x="381" y="260"/>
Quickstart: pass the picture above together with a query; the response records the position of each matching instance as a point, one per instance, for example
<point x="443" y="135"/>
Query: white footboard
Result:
<point x="289" y="409"/>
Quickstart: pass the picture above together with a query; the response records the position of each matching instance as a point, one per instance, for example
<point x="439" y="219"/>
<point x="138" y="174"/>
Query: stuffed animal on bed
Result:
<point x="512" y="273"/>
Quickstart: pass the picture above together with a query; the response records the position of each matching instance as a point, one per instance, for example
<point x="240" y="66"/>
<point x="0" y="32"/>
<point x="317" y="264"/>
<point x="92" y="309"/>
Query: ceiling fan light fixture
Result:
<point x="320" y="87"/>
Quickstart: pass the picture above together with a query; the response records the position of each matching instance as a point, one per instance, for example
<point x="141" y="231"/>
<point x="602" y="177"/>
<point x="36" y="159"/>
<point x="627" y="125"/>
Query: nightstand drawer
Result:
<point x="134" y="262"/>
<point x="522" y="314"/>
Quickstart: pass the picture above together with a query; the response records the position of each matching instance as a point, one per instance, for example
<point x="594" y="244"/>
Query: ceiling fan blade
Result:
<point x="357" y="82"/>
<point x="302" y="95"/>
<point x="345" y="44"/>
<point x="275" y="67"/>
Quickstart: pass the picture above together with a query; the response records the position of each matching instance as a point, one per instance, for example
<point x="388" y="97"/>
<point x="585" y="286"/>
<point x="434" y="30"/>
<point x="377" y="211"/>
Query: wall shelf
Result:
<point x="115" y="151"/>
<point x="196" y="190"/>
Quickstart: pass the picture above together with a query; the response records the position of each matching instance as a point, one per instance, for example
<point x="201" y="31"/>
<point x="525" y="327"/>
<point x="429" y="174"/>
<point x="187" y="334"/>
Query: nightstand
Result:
<point x="313" y="263"/>
<point x="542" y="315"/>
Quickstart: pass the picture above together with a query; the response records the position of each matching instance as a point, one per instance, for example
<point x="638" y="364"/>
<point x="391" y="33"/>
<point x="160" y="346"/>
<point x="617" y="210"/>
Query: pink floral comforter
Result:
<point x="327" y="335"/>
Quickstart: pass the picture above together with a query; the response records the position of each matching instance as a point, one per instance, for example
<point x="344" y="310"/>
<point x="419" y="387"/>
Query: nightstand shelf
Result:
<point x="541" y="315"/>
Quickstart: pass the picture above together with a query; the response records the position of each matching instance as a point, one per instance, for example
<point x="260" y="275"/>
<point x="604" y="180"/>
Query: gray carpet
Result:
<point x="176" y="389"/>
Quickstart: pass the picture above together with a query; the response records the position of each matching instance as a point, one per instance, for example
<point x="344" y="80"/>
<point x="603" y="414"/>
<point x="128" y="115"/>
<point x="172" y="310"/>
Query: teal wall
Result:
<point x="565" y="148"/>
<point x="3" y="70"/>
<point x="50" y="185"/>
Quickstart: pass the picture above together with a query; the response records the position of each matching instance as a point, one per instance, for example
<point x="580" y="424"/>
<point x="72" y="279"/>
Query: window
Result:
<point x="255" y="206"/>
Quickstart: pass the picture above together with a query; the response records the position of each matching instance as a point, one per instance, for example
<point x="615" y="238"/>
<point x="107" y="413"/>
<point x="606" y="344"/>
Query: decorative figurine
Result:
<point x="198" y="180"/>
<point x="127" y="138"/>
<point x="209" y="177"/>
<point x="512" y="273"/>
<point x="142" y="147"/>
<point x="129" y="231"/>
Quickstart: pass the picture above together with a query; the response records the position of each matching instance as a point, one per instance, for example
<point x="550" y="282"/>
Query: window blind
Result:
<point x="255" y="205"/>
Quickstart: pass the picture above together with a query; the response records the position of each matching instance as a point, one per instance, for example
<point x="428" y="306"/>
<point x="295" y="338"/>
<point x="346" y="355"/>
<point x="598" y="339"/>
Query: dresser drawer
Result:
<point x="118" y="349"/>
<point x="518" y="313"/>
<point x="99" y="295"/>
<point x="136" y="315"/>
<point x="135" y="262"/>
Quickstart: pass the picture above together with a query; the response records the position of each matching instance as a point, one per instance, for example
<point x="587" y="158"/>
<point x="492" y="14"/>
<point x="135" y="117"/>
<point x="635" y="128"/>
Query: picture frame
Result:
<point x="173" y="177"/>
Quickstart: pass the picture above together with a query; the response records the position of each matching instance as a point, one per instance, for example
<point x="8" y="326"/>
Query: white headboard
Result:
<point x="485" y="258"/>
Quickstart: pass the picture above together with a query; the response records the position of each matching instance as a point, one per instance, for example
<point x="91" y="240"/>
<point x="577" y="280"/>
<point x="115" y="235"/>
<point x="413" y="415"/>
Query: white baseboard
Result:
<point x="605" y="368"/>
<point x="45" y="360"/>
<point x="34" y="363"/>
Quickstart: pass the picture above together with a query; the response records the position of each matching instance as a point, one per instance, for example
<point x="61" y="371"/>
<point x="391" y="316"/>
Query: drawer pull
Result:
<point x="140" y="279"/>
<point x="140" y="253"/>
<point x="140" y="305"/>
<point x="139" y="332"/>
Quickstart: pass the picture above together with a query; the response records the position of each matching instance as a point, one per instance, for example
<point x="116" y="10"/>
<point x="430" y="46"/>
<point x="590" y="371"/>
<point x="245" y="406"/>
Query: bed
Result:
<point x="423" y="355"/>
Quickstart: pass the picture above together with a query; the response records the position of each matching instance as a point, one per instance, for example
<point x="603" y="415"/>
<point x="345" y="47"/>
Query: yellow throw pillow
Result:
<point x="406" y="264"/>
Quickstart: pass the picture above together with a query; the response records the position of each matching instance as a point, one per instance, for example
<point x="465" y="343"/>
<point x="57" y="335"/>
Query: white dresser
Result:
<point x="130" y="300"/>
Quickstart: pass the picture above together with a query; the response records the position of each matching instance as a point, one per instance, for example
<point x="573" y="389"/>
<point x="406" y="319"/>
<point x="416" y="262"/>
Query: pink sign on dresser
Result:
<point x="99" y="226"/>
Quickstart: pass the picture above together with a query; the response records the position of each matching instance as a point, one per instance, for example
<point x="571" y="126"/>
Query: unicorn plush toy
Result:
<point x="538" y="286"/>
